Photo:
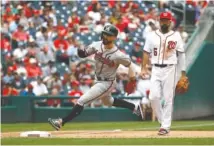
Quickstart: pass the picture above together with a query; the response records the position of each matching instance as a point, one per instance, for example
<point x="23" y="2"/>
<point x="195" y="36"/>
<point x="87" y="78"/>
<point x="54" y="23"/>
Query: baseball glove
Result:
<point x="130" y="86"/>
<point x="182" y="86"/>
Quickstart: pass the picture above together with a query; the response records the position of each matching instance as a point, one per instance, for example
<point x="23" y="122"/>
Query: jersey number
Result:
<point x="155" y="51"/>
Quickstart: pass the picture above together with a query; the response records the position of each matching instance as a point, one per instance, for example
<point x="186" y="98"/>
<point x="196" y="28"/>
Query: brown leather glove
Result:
<point x="182" y="85"/>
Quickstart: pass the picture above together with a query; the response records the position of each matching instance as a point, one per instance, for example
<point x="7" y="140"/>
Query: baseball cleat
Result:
<point x="55" y="123"/>
<point x="163" y="131"/>
<point x="139" y="111"/>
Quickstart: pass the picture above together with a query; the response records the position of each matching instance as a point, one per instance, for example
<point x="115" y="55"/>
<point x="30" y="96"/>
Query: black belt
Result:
<point x="162" y="65"/>
<point x="104" y="79"/>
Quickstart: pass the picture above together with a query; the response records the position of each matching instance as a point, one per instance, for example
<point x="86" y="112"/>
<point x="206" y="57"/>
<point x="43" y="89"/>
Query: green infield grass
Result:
<point x="176" y="125"/>
<point x="132" y="126"/>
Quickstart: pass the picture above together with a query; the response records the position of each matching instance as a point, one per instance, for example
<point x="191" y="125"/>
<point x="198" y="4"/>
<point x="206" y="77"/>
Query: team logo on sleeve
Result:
<point x="171" y="44"/>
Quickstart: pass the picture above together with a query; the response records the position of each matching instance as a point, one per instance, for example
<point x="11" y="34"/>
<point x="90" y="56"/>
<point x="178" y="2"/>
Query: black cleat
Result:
<point x="55" y="123"/>
<point x="139" y="111"/>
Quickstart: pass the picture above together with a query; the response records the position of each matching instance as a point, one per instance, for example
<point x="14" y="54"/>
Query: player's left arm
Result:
<point x="87" y="51"/>
<point x="126" y="61"/>
<point x="181" y="55"/>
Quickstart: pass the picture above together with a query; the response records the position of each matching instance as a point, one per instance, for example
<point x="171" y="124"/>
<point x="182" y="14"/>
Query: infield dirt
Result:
<point x="119" y="134"/>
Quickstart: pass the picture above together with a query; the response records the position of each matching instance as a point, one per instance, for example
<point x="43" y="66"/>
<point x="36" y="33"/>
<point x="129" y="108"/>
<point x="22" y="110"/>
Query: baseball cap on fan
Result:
<point x="166" y="15"/>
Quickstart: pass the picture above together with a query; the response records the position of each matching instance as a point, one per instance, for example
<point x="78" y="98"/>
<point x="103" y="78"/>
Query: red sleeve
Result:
<point x="111" y="3"/>
<point x="65" y="45"/>
<point x="39" y="71"/>
<point x="89" y="8"/>
<point x="70" y="93"/>
<point x="15" y="92"/>
<point x="5" y="91"/>
<point x="56" y="44"/>
<point x="15" y="34"/>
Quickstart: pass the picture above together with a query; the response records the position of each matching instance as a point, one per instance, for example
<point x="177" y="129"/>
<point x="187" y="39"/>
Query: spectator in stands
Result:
<point x="37" y="21"/>
<point x="75" y="92"/>
<point x="184" y="35"/>
<point x="5" y="43"/>
<point x="54" y="81"/>
<point x="32" y="47"/>
<point x="33" y="70"/>
<point x="73" y="20"/>
<point x="43" y="39"/>
<point x="20" y="52"/>
<point x="20" y="34"/>
<point x="83" y="27"/>
<point x="61" y="46"/>
<point x="72" y="48"/>
<point x="18" y="82"/>
<point x="113" y="18"/>
<point x="45" y="15"/>
<point x="23" y="20"/>
<point x="32" y="30"/>
<point x="28" y="91"/>
<point x="45" y="55"/>
<point x="136" y="52"/>
<point x="9" y="90"/>
<point x="8" y="78"/>
<point x="149" y="27"/>
<point x="20" y="69"/>
<point x="51" y="29"/>
<point x="4" y="26"/>
<point x="144" y="85"/>
<point x="39" y="88"/>
<point x="8" y="15"/>
<point x="122" y="78"/>
<point x="89" y="70"/>
<point x="152" y="14"/>
<point x="122" y="24"/>
<point x="94" y="11"/>
<point x="54" y="102"/>
<point x="85" y="84"/>
<point x="27" y="8"/>
<point x="48" y="69"/>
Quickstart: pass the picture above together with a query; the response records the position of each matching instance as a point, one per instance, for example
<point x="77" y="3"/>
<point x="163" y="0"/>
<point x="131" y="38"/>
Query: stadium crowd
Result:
<point x="39" y="41"/>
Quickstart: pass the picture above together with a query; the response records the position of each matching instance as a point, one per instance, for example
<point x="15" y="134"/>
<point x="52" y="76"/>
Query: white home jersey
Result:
<point x="107" y="61"/>
<point x="163" y="47"/>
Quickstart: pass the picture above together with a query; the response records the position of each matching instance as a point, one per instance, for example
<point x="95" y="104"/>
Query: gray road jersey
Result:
<point x="107" y="61"/>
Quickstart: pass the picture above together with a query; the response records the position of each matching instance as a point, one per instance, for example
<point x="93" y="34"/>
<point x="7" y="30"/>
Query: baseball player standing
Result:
<point x="166" y="50"/>
<point x="107" y="59"/>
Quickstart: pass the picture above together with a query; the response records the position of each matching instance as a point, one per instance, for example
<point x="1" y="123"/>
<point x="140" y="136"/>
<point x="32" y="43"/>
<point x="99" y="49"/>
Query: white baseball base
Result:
<point x="35" y="134"/>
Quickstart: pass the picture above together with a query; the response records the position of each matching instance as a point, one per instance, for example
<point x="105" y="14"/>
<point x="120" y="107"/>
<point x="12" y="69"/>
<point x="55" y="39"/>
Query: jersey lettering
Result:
<point x="104" y="60"/>
<point x="171" y="44"/>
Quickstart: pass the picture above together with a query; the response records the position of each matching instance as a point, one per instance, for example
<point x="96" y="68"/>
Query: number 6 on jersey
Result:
<point x="155" y="52"/>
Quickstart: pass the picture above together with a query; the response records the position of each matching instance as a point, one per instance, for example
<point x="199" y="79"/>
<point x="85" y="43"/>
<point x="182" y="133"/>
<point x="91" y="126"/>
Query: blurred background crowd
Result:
<point x="39" y="41"/>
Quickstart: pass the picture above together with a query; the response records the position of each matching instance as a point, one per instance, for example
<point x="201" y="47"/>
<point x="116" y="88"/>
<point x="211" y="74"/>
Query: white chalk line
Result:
<point x="173" y="127"/>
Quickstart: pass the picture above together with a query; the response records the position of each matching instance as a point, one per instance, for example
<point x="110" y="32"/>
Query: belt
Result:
<point x="162" y="65"/>
<point x="104" y="79"/>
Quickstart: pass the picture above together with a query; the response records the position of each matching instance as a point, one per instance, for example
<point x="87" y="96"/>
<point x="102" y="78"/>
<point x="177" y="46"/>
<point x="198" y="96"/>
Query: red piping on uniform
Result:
<point x="102" y="62"/>
<point x="159" y="47"/>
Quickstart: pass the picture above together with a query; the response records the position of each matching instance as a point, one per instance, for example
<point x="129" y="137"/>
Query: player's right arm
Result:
<point x="145" y="60"/>
<point x="87" y="51"/>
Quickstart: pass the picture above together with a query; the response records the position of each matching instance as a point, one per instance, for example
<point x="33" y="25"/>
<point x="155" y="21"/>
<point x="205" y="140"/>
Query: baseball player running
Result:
<point x="166" y="50"/>
<point x="107" y="59"/>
